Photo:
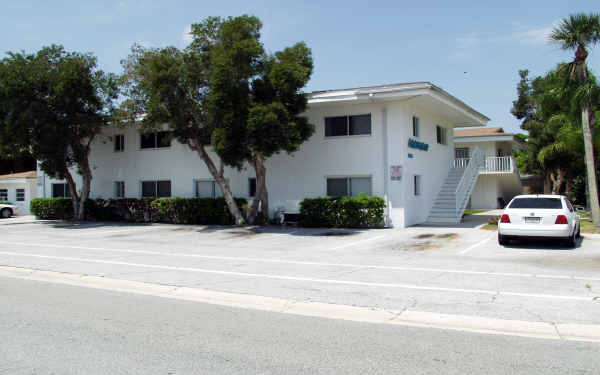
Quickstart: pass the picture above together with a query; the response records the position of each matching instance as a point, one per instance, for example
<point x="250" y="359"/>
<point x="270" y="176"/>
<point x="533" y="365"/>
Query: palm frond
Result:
<point x="577" y="29"/>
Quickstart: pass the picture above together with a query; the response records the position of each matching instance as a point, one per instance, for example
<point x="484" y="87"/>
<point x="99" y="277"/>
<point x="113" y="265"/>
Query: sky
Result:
<point x="472" y="49"/>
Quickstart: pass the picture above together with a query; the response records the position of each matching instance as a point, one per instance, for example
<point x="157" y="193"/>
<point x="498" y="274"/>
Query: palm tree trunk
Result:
<point x="590" y="163"/>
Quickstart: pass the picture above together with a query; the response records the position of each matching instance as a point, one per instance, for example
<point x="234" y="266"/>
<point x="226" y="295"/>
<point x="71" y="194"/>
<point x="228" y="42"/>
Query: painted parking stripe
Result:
<point x="307" y="279"/>
<point x="357" y="243"/>
<point x="474" y="246"/>
<point x="307" y="263"/>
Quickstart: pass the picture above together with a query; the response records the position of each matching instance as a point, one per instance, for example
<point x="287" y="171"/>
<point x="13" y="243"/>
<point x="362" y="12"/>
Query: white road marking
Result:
<point x="136" y="229"/>
<point x="357" y="242"/>
<point x="474" y="246"/>
<point x="306" y="263"/>
<point x="478" y="324"/>
<point x="307" y="279"/>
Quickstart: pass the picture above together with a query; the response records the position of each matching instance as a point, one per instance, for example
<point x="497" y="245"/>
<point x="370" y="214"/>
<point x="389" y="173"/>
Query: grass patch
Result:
<point x="472" y="212"/>
<point x="490" y="227"/>
<point x="586" y="224"/>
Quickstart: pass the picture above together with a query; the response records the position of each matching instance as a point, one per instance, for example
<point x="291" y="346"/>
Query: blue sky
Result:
<point x="473" y="49"/>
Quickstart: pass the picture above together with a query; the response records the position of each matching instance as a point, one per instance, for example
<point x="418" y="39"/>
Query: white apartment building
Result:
<point x="393" y="141"/>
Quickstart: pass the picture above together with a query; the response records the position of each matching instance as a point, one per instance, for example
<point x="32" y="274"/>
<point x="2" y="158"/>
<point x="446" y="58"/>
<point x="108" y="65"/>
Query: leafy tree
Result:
<point x="578" y="32"/>
<point x="223" y="91"/>
<point x="255" y="100"/>
<point x="53" y="103"/>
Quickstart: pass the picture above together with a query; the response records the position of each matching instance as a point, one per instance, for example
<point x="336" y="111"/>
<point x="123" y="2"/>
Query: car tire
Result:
<point x="502" y="241"/>
<point x="6" y="213"/>
<point x="572" y="240"/>
<point x="578" y="231"/>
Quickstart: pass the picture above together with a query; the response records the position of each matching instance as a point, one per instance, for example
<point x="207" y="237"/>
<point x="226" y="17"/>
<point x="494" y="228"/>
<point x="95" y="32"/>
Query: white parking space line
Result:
<point x="305" y="263"/>
<point x="136" y="229"/>
<point x="308" y="279"/>
<point x="474" y="246"/>
<point x="357" y="243"/>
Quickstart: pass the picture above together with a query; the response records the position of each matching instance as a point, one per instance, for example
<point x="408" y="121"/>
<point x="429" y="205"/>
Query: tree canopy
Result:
<point x="52" y="104"/>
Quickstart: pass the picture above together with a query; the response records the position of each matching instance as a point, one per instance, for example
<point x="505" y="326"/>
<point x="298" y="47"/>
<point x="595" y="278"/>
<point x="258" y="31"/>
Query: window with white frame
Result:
<point x="417" y="185"/>
<point x="339" y="126"/>
<point x="208" y="189"/>
<point x="156" y="189"/>
<point x="119" y="189"/>
<point x="119" y="142"/>
<point x="440" y="135"/>
<point x="155" y="140"/>
<point x="348" y="186"/>
<point x="20" y="195"/>
<point x="461" y="153"/>
<point x="61" y="191"/>
<point x="3" y="195"/>
<point x="415" y="126"/>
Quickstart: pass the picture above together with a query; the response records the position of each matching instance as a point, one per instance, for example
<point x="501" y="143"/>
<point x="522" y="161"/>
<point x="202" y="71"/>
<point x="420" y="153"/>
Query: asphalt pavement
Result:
<point x="48" y="328"/>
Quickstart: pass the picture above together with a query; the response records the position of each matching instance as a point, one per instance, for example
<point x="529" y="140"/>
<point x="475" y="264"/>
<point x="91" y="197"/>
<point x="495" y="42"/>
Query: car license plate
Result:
<point x="532" y="220"/>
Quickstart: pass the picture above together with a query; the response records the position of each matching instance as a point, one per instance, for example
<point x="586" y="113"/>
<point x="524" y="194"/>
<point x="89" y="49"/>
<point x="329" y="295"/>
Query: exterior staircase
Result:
<point x="456" y="190"/>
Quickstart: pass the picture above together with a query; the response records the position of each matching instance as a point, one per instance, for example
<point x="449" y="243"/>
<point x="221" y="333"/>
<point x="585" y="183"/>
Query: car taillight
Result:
<point x="561" y="219"/>
<point x="505" y="219"/>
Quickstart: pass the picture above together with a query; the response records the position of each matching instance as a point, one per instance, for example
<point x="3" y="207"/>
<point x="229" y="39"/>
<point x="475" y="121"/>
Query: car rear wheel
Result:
<point x="572" y="240"/>
<point x="502" y="240"/>
<point x="6" y="213"/>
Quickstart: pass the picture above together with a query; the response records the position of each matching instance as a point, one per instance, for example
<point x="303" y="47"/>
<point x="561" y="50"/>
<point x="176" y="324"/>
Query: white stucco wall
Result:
<point x="290" y="178"/>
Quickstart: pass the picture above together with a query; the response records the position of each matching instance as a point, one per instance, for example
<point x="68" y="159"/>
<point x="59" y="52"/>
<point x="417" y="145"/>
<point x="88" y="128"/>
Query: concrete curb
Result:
<point x="476" y="324"/>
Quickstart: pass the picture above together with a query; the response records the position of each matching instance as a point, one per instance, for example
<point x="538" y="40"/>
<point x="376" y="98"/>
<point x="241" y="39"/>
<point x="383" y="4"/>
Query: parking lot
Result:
<point x="454" y="270"/>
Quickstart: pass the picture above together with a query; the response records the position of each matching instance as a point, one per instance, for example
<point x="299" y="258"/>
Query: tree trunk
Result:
<point x="569" y="188"/>
<point x="592" y="180"/>
<point x="557" y="177"/>
<point x="86" y="176"/>
<point x="547" y="183"/>
<point x="74" y="195"/>
<point x="261" y="198"/>
<point x="222" y="181"/>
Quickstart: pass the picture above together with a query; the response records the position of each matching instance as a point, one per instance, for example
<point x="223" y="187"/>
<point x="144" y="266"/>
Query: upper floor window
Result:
<point x="440" y="135"/>
<point x="415" y="126"/>
<point x="348" y="186"/>
<point x="119" y="142"/>
<point x="155" y="140"/>
<point x="461" y="153"/>
<point x="156" y="189"/>
<point x="20" y="195"/>
<point x="348" y="125"/>
<point x="61" y="191"/>
<point x="208" y="189"/>
<point x="3" y="195"/>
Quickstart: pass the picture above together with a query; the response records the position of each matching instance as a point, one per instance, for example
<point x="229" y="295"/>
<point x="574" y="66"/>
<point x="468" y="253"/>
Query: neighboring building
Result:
<point x="394" y="141"/>
<point x="18" y="189"/>
<point x="498" y="181"/>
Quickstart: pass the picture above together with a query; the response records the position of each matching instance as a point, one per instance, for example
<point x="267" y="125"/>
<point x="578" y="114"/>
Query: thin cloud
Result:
<point x="534" y="36"/>
<point x="186" y="36"/>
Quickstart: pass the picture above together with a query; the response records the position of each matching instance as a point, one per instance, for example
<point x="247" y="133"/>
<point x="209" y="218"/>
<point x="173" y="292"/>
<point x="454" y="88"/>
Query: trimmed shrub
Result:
<point x="52" y="208"/>
<point x="194" y="210"/>
<point x="361" y="211"/>
<point x="493" y="220"/>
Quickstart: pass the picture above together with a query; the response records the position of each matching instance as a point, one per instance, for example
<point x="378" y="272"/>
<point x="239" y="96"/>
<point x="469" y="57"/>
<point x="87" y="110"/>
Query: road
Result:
<point x="48" y="328"/>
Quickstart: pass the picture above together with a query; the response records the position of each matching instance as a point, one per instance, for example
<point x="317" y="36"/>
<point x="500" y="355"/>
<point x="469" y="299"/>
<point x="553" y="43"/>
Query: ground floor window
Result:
<point x="252" y="186"/>
<point x="348" y="186"/>
<point x="119" y="189"/>
<point x="156" y="189"/>
<point x="61" y="191"/>
<point x="20" y="195"/>
<point x="3" y="195"/>
<point x="417" y="184"/>
<point x="208" y="189"/>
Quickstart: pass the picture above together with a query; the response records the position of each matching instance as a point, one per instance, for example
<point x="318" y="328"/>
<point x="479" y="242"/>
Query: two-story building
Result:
<point x="393" y="141"/>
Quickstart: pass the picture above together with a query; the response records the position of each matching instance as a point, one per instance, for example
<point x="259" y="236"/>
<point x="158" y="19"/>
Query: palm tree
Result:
<point x="577" y="33"/>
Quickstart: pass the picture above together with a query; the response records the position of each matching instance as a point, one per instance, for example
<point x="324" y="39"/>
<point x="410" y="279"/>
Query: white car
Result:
<point x="7" y="210"/>
<point x="539" y="216"/>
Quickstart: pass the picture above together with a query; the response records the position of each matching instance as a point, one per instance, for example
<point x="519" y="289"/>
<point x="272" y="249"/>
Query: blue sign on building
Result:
<point x="418" y="145"/>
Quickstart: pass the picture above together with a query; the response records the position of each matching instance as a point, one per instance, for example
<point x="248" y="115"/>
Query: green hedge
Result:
<point x="342" y="212"/>
<point x="52" y="208"/>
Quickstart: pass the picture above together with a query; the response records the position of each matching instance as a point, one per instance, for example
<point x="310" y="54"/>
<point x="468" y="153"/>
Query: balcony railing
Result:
<point x="493" y="164"/>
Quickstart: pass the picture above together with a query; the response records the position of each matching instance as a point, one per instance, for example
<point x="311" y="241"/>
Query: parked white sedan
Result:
<point x="539" y="216"/>
<point x="7" y="210"/>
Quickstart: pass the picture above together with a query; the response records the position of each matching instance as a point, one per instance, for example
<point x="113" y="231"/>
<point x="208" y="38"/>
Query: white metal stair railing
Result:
<point x="464" y="187"/>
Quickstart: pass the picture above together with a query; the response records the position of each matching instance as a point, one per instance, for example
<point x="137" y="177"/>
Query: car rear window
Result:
<point x="543" y="203"/>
